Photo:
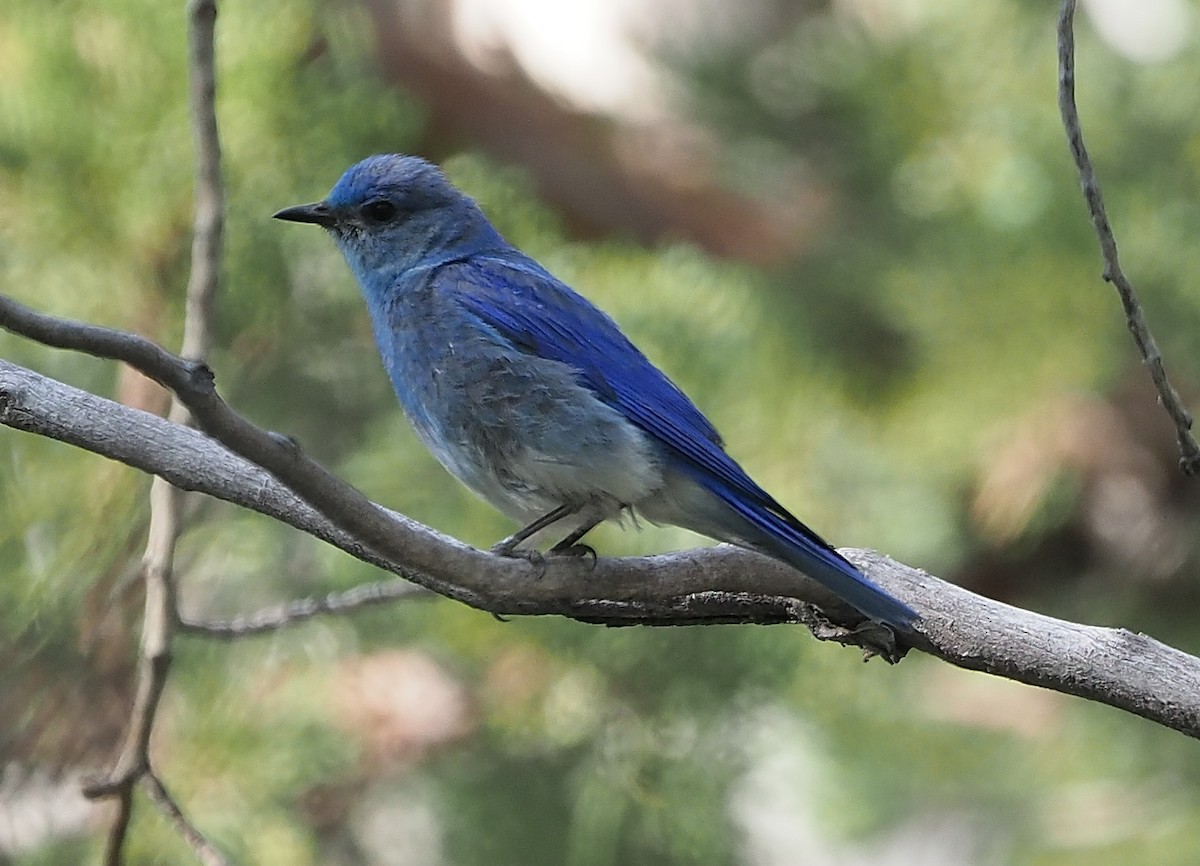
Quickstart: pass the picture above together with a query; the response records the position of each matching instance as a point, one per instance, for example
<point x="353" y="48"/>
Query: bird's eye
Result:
<point x="379" y="211"/>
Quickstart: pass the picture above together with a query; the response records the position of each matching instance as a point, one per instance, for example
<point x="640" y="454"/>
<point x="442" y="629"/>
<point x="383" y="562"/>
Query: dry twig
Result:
<point x="299" y="610"/>
<point x="161" y="614"/>
<point x="1189" y="449"/>
<point x="205" y="852"/>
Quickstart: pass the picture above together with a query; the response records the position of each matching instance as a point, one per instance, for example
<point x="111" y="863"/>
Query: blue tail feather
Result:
<point x="782" y="535"/>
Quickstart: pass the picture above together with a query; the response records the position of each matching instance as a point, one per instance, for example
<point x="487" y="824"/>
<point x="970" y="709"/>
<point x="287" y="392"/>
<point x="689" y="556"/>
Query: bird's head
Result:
<point x="392" y="212"/>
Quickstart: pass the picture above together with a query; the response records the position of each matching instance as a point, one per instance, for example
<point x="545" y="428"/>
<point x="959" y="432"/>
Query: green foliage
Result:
<point x="951" y="289"/>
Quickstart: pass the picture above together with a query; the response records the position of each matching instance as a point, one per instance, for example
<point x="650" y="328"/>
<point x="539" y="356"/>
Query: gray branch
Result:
<point x="722" y="584"/>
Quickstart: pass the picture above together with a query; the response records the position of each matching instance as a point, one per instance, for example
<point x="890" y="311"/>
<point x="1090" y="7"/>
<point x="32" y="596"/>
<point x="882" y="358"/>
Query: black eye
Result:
<point x="378" y="211"/>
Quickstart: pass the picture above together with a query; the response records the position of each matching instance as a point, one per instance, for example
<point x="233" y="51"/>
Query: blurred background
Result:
<point x="849" y="229"/>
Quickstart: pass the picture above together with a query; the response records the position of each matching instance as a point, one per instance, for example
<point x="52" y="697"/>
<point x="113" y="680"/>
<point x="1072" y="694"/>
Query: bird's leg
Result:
<point x="570" y="545"/>
<point x="508" y="547"/>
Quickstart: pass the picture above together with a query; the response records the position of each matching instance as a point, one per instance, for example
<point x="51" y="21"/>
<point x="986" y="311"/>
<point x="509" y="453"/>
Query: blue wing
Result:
<point x="540" y="315"/>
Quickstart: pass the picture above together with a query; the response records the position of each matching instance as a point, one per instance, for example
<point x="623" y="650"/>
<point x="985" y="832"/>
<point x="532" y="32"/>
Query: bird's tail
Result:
<point x="767" y="526"/>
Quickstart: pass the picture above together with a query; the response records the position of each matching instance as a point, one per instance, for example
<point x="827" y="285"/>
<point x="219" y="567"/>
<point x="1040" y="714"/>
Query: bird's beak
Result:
<point x="318" y="213"/>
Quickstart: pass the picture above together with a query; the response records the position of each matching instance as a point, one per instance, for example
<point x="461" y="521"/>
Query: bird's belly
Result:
<point x="527" y="437"/>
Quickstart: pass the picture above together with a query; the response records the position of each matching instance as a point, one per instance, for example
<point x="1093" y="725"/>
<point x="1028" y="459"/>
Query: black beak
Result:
<point x="318" y="213"/>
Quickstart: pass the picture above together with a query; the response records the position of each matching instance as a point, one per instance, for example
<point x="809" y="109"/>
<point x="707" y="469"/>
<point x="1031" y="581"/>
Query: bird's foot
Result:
<point x="291" y="443"/>
<point x="577" y="550"/>
<point x="509" y="549"/>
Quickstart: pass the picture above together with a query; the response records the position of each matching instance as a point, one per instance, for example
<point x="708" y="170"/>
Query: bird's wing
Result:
<point x="540" y="315"/>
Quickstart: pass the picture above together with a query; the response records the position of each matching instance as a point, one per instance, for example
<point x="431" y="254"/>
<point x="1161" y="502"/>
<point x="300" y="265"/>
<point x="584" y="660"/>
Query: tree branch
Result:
<point x="299" y="610"/>
<point x="1189" y="449"/>
<point x="721" y="584"/>
<point x="192" y="461"/>
<point x="161" y="615"/>
<point x="205" y="852"/>
<point x="208" y="218"/>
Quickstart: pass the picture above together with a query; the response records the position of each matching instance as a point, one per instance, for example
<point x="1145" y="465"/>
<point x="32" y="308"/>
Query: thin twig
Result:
<point x="295" y="612"/>
<point x="1189" y="449"/>
<point x="203" y="849"/>
<point x="158" y="563"/>
<point x="115" y="840"/>
<point x="208" y="219"/>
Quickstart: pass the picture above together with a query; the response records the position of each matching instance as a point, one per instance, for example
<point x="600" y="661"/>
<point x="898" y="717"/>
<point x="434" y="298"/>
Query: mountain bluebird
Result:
<point x="532" y="396"/>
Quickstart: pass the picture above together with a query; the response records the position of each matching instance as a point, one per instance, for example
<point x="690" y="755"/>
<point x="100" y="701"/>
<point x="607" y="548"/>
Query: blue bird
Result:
<point x="531" y="396"/>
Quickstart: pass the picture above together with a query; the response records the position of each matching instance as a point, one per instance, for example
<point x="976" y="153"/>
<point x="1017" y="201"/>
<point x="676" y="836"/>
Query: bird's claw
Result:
<point x="291" y="443"/>
<point x="509" y="549"/>
<point x="577" y="550"/>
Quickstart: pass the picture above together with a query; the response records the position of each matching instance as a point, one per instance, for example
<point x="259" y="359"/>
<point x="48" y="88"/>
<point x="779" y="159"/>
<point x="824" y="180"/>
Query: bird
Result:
<point x="533" y="397"/>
